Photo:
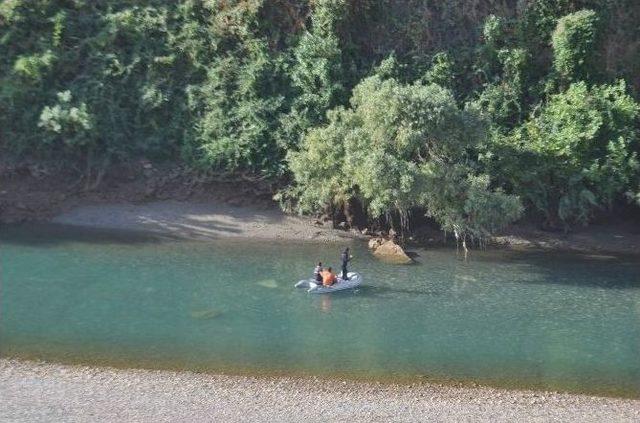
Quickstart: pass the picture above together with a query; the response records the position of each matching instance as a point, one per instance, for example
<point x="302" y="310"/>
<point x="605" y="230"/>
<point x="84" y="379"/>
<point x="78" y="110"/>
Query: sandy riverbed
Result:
<point x="32" y="392"/>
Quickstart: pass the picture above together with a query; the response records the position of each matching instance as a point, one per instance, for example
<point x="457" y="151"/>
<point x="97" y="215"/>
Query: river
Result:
<point x="550" y="321"/>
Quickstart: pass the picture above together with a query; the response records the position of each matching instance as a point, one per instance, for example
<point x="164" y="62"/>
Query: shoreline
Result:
<point x="353" y="377"/>
<point x="172" y="199"/>
<point x="202" y="220"/>
<point x="45" y="391"/>
<point x="214" y="219"/>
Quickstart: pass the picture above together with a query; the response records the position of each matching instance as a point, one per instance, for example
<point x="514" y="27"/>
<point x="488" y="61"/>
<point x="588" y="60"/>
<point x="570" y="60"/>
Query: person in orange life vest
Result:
<point x="328" y="277"/>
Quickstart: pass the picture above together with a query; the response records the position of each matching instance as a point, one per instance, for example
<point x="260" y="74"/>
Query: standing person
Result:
<point x="346" y="258"/>
<point x="317" y="272"/>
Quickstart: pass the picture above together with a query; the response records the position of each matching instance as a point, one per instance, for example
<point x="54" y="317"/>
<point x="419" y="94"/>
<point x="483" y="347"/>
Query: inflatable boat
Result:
<point x="354" y="280"/>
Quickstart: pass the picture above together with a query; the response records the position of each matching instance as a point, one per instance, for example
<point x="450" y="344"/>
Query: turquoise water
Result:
<point x="546" y="321"/>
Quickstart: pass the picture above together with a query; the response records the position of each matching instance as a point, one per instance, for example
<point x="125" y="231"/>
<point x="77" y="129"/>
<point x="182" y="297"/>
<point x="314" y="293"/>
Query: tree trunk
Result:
<point x="88" y="168"/>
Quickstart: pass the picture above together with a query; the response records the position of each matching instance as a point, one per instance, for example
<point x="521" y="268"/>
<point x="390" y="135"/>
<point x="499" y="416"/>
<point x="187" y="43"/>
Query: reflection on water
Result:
<point x="325" y="302"/>
<point x="541" y="320"/>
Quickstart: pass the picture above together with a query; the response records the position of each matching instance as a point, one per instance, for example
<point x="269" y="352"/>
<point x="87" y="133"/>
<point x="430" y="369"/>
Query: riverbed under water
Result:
<point x="541" y="320"/>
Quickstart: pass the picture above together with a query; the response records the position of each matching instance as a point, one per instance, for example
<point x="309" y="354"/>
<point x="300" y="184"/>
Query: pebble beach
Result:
<point x="43" y="392"/>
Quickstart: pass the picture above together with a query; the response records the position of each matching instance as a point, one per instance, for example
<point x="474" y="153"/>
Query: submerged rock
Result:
<point x="206" y="314"/>
<point x="466" y="278"/>
<point x="268" y="283"/>
<point x="388" y="251"/>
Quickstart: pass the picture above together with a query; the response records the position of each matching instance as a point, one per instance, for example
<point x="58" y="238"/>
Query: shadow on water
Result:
<point x="567" y="267"/>
<point x="581" y="270"/>
<point x="412" y="254"/>
<point x="43" y="235"/>
<point x="371" y="291"/>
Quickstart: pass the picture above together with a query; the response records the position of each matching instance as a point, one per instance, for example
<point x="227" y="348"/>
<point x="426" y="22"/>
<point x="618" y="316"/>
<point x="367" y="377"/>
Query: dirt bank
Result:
<point x="33" y="192"/>
<point x="202" y="220"/>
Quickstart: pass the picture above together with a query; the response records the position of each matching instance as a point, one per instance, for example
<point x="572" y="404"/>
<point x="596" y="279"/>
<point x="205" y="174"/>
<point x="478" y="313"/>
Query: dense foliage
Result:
<point x="575" y="154"/>
<point x="467" y="111"/>
<point x="397" y="148"/>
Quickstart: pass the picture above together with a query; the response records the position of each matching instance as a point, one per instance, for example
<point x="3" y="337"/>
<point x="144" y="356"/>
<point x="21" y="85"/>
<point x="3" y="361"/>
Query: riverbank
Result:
<point x="32" y="391"/>
<point x="202" y="220"/>
<point x="173" y="200"/>
<point x="215" y="218"/>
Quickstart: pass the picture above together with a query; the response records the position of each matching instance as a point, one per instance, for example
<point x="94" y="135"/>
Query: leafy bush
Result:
<point x="240" y="102"/>
<point x="574" y="156"/>
<point x="32" y="66"/>
<point x="67" y="123"/>
<point x="441" y="72"/>
<point x="502" y="71"/>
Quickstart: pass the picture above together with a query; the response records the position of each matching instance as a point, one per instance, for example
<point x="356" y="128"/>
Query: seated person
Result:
<point x="328" y="277"/>
<point x="317" y="273"/>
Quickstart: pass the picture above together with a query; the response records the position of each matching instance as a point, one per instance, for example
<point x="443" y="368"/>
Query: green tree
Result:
<point x="502" y="70"/>
<point x="118" y="59"/>
<point x="68" y="128"/>
<point x="66" y="123"/>
<point x="397" y="148"/>
<point x="240" y="101"/>
<point x="502" y="101"/>
<point x="442" y="71"/>
<point x="317" y="72"/>
<point x="236" y="84"/>
<point x="575" y="46"/>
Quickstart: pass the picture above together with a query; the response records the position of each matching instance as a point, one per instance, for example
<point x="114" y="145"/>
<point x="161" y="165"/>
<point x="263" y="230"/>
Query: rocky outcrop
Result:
<point x="388" y="251"/>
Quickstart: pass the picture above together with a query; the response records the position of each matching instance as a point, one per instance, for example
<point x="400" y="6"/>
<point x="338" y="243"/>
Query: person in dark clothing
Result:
<point x="345" y="258"/>
<point x="317" y="272"/>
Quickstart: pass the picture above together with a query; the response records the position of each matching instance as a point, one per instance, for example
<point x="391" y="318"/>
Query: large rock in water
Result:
<point x="388" y="251"/>
<point x="374" y="243"/>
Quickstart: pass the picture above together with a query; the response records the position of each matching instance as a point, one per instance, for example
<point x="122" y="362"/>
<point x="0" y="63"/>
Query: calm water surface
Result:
<point x="545" y="321"/>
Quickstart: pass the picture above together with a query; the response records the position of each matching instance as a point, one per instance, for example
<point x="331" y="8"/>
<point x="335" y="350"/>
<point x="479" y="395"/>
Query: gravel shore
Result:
<point x="42" y="392"/>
